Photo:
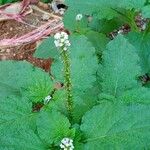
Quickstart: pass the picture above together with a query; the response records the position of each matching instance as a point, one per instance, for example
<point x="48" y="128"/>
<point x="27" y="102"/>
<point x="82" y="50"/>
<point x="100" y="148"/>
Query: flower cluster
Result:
<point x="67" y="144"/>
<point x="47" y="99"/>
<point x="62" y="41"/>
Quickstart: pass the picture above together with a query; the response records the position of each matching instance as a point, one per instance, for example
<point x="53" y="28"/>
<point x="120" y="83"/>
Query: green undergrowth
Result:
<point x="102" y="105"/>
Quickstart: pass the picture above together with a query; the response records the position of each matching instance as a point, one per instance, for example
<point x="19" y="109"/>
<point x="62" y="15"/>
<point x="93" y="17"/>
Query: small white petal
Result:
<point x="61" y="44"/>
<point x="67" y="41"/>
<point x="79" y="17"/>
<point x="65" y="48"/>
<point x="56" y="43"/>
<point x="57" y="36"/>
<point x="68" y="44"/>
<point x="62" y="146"/>
<point x="66" y="37"/>
<point x="62" y="34"/>
<point x="71" y="140"/>
<point x="47" y="99"/>
<point x="62" y="40"/>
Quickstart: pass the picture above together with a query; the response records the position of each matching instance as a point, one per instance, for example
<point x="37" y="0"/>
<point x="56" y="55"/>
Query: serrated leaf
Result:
<point x="98" y="40"/>
<point x="109" y="126"/>
<point x="72" y="24"/>
<point x="90" y="6"/>
<point x="59" y="102"/>
<point x="138" y="95"/>
<point x="47" y="49"/>
<point x="8" y="90"/>
<point x="16" y="114"/>
<point x="57" y="70"/>
<point x="53" y="127"/>
<point x="22" y="76"/>
<point x="83" y="63"/>
<point x="142" y="45"/>
<point x="120" y="67"/>
<point x="85" y="102"/>
<point x="146" y="11"/>
<point x="23" y="140"/>
<point x="106" y="13"/>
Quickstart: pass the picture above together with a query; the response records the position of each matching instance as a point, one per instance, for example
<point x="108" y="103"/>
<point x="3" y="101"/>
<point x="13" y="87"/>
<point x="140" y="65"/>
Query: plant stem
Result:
<point x="68" y="84"/>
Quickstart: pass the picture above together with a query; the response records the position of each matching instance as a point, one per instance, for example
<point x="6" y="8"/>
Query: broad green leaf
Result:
<point x="98" y="40"/>
<point x="7" y="90"/>
<point x="142" y="46"/>
<point x="59" y="102"/>
<point x="57" y="70"/>
<point x="72" y="24"/>
<point x="106" y="13"/>
<point x="83" y="63"/>
<point x="53" y="127"/>
<point x="85" y="102"/>
<point x="16" y="114"/>
<point x="22" y="76"/>
<point x="119" y="67"/>
<point x="146" y="11"/>
<point x="47" y="49"/>
<point x="90" y="6"/>
<point x="23" y="140"/>
<point x="113" y="126"/>
<point x="138" y="95"/>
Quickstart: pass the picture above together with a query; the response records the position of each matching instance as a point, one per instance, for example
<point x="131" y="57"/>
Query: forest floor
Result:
<point x="11" y="28"/>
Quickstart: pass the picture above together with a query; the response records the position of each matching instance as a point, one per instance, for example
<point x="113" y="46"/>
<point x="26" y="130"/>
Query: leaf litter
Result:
<point x="23" y="27"/>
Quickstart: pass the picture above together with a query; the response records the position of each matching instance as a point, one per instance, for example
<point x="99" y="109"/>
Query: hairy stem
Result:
<point x="68" y="84"/>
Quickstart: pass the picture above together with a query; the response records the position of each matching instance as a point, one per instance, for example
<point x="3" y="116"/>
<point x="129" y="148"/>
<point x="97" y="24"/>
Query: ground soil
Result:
<point x="12" y="28"/>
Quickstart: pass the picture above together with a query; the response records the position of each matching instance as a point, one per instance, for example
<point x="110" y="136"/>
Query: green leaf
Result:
<point x="47" y="49"/>
<point x="106" y="13"/>
<point x="119" y="67"/>
<point x="72" y="24"/>
<point x="53" y="127"/>
<point x="85" y="102"/>
<point x="57" y="70"/>
<point x="22" y="76"/>
<point x="138" y="95"/>
<point x="98" y="40"/>
<point x="90" y="6"/>
<point x="83" y="63"/>
<point x="142" y="45"/>
<point x="59" y="102"/>
<point x="109" y="126"/>
<point x="23" y="140"/>
<point x="16" y="114"/>
<point x="8" y="90"/>
<point x="146" y="11"/>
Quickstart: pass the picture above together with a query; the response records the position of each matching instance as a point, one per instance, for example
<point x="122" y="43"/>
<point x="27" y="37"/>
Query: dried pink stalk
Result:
<point x="33" y="36"/>
<point x="37" y="34"/>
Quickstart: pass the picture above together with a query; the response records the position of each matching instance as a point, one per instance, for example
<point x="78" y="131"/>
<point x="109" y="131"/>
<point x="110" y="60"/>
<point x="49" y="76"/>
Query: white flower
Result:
<point x="64" y="35"/>
<point x="67" y="144"/>
<point x="47" y="99"/>
<point x="57" y="36"/>
<point x="65" y="48"/>
<point x="79" y="17"/>
<point x="61" y="40"/>
<point x="68" y="44"/>
<point x="60" y="44"/>
<point x="56" y="43"/>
